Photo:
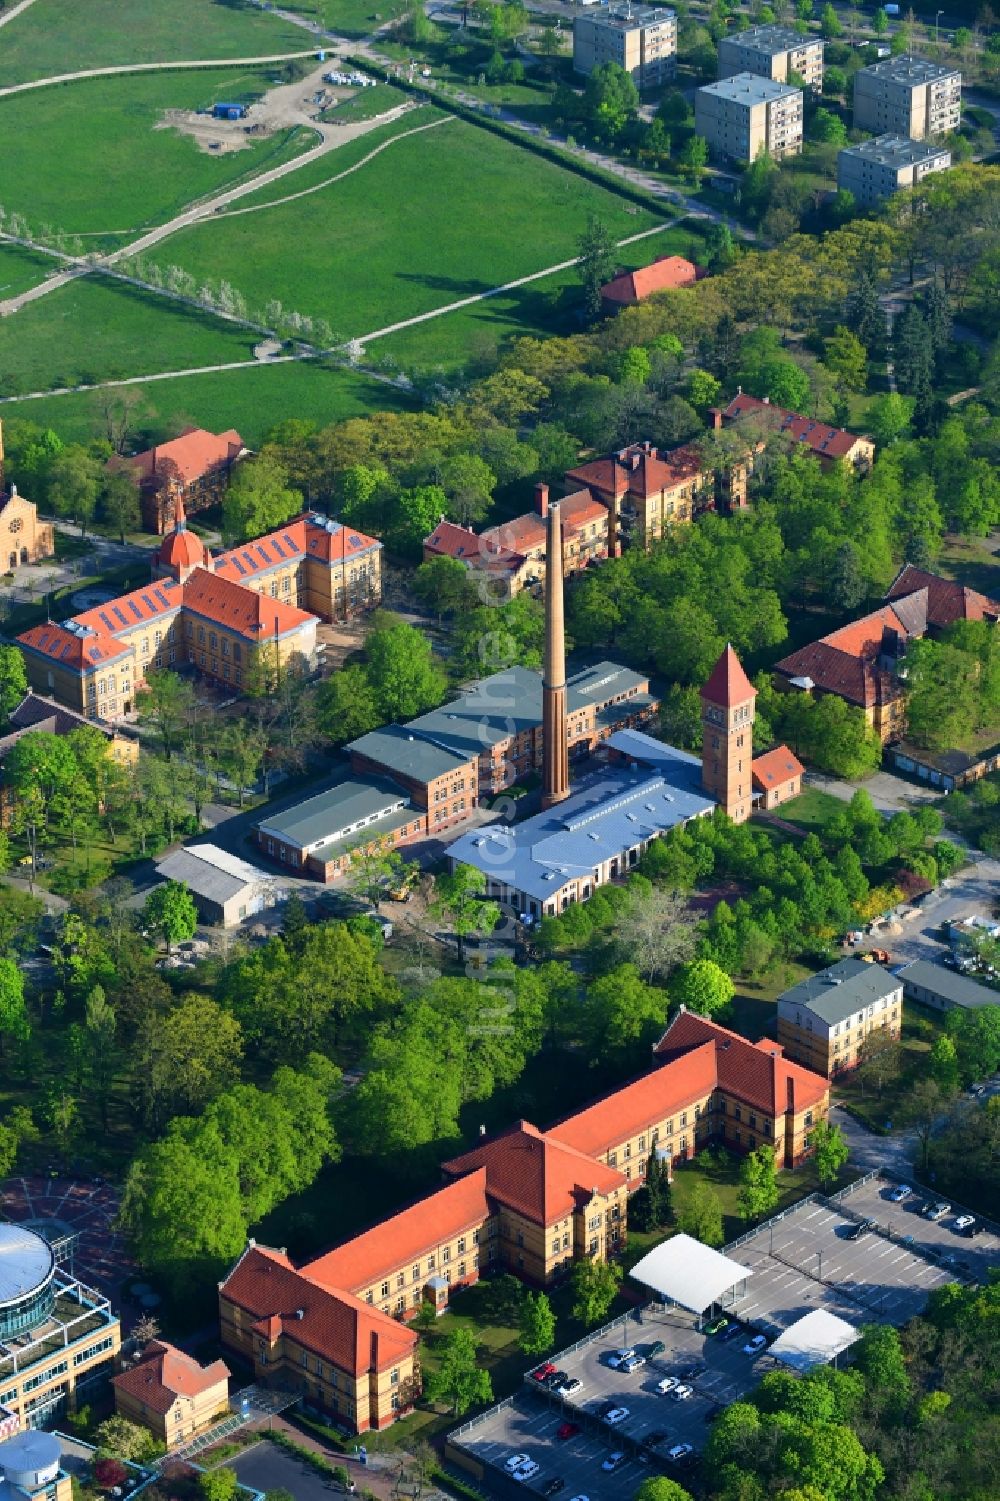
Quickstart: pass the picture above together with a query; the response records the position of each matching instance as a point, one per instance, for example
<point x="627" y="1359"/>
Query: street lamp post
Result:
<point x="937" y="23"/>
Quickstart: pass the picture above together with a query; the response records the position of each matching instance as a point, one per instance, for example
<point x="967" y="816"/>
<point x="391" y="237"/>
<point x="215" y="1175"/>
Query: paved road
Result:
<point x="201" y="62"/>
<point x="15" y="10"/>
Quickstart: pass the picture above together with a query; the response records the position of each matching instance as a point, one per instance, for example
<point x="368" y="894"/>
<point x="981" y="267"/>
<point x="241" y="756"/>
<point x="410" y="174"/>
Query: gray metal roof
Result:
<point x="909" y="69"/>
<point x="948" y="983"/>
<point x="897" y="151"/>
<point x="403" y="750"/>
<point x="329" y="812"/>
<point x="773" y="39"/>
<point x="510" y="702"/>
<point x="607" y="816"/>
<point x="836" y="993"/>
<point x="630" y="17"/>
<point x="26" y="1263"/>
<point x="749" y="88"/>
<point x="329" y="849"/>
<point x="202" y="878"/>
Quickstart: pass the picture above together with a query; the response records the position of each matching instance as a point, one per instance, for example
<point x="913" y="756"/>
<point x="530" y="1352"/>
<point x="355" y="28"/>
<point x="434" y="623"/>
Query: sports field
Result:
<point x="439" y="216"/>
<point x="251" y="400"/>
<point x="93" y="329"/>
<point x="63" y="36"/>
<point x="86" y="157"/>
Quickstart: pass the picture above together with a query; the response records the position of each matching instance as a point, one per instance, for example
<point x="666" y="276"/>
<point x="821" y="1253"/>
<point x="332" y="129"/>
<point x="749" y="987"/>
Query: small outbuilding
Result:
<point x="225" y="888"/>
<point x="681" y="1270"/>
<point x="169" y="1393"/>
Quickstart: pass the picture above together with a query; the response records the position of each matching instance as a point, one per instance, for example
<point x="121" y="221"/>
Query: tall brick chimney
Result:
<point x="542" y="499"/>
<point x="716" y="415"/>
<point x="555" y="744"/>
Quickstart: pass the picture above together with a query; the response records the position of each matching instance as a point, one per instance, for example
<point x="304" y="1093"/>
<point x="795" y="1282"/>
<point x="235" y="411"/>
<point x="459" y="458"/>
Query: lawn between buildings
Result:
<point x="89" y="158"/>
<point x="61" y="36"/>
<point x="442" y="215"/>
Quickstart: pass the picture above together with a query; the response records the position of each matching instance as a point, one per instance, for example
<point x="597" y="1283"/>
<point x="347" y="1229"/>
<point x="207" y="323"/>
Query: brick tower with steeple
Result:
<point x="727" y="714"/>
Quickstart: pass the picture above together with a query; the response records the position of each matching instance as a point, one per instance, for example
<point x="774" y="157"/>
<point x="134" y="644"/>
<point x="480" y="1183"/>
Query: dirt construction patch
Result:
<point x="281" y="108"/>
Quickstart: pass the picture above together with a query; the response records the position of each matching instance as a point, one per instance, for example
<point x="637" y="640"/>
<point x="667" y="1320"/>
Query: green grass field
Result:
<point x="251" y="400"/>
<point x="87" y="157"/>
<point x="350" y="17"/>
<point x="21" y="269"/>
<point x="437" y="217"/>
<point x="94" y="330"/>
<point x="541" y="307"/>
<point x="59" y="36"/>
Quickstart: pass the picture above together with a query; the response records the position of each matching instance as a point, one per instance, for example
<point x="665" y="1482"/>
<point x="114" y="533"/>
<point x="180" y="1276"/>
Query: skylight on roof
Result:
<point x="135" y="609"/>
<point x="107" y="620"/>
<point x="164" y="601"/>
<point x="120" y="614"/>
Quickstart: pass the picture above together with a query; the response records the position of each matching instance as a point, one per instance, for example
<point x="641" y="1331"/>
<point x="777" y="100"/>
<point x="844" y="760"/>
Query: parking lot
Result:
<point x="799" y="1262"/>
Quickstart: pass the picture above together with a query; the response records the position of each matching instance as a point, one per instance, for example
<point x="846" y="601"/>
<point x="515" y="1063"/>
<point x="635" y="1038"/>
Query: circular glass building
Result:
<point x="27" y="1268"/>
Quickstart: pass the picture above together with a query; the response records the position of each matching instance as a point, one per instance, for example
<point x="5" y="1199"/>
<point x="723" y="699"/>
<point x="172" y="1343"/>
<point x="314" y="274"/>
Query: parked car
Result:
<point x="527" y="1471"/>
<point x="936" y="1211"/>
<point x="656" y="1436"/>
<point x="634" y="1363"/>
<point x="655" y="1349"/>
<point x="616" y="1415"/>
<point x="899" y="1193"/>
<point x="554" y="1380"/>
<point x="965" y="1224"/>
<point x="603" y="1408"/>
<point x="555" y="1485"/>
<point x="717" y="1325"/>
<point x="679" y="1452"/>
<point x="855" y="1232"/>
<point x="618" y="1357"/>
<point x="516" y="1461"/>
<point x="548" y="1369"/>
<point x="567" y="1430"/>
<point x="667" y="1384"/>
<point x="682" y="1393"/>
<point x="567" y="1388"/>
<point x="755" y="1345"/>
<point x="693" y="1371"/>
<point x="614" y="1461"/>
<point x="733" y="1332"/>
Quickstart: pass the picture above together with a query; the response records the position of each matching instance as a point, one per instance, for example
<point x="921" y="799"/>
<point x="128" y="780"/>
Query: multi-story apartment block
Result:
<point x="529" y="1202"/>
<point x="773" y="52"/>
<point x="824" y="1020"/>
<point x="227" y="617"/>
<point x="193" y="468"/>
<point x="744" y="116"/>
<point x="874" y="170"/>
<point x="57" y="1337"/>
<point x="907" y="96"/>
<point x="641" y="39"/>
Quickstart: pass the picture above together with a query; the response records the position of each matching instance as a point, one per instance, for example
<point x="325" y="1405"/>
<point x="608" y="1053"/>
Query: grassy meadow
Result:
<point x="59" y="36"/>
<point x="88" y="158"/>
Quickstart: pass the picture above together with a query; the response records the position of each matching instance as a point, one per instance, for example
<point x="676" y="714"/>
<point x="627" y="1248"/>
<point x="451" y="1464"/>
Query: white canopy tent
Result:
<point x="682" y="1270"/>
<point x="815" y="1339"/>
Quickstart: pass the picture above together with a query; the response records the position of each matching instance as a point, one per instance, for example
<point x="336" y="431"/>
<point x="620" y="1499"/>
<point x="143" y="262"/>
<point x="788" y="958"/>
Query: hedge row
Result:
<point x="528" y="142"/>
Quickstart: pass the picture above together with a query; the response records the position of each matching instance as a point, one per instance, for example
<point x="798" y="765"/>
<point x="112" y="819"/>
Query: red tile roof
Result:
<point x="406" y="1237"/>
<point x="535" y="1174"/>
<point x="194" y="453"/>
<point x="181" y="548"/>
<point x="826" y="442"/>
<point x="258" y="617"/>
<point x="165" y="1373"/>
<point x="754" y="1072"/>
<point x="632" y="1110"/>
<point x="728" y="684"/>
<point x="947" y="601"/>
<point x="776" y="767"/>
<point x="336" y="1325"/>
<point x="59" y="645"/>
<point x="526" y="534"/>
<point x="665" y="273"/>
<point x="640" y="468"/>
<point x="846" y="661"/>
<point x="449" y="540"/>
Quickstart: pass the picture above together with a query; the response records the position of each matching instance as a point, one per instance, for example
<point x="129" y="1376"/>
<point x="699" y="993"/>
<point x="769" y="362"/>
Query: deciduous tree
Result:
<point x="595" y="1287"/>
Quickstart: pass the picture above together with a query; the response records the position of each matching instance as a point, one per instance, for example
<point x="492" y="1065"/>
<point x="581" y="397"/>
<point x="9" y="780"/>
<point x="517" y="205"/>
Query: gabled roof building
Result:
<point x="665" y="274"/>
<point x="167" y="1391"/>
<point x="193" y="468"/>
